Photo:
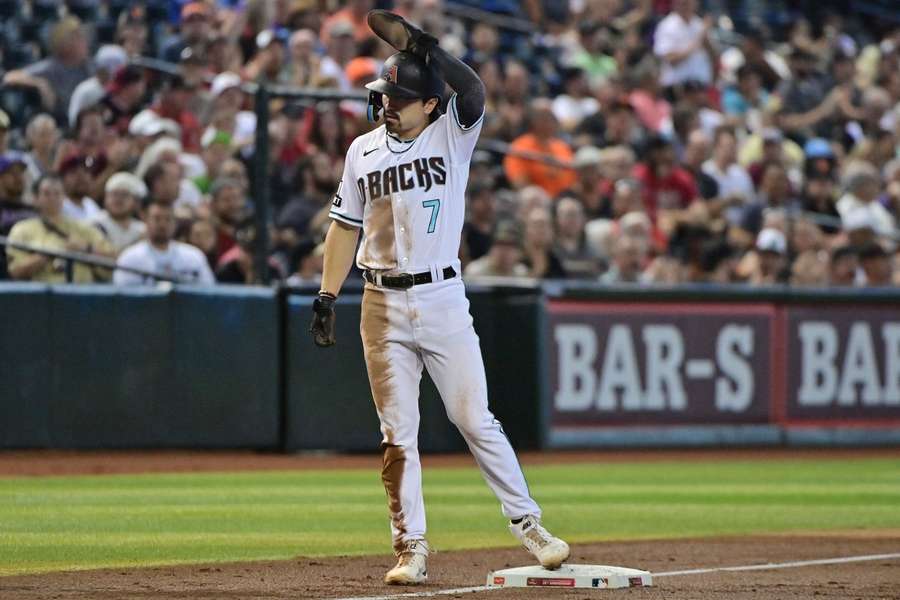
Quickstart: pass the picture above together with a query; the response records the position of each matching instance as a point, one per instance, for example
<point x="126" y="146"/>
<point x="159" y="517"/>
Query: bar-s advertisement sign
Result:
<point x="843" y="364"/>
<point x="659" y="364"/>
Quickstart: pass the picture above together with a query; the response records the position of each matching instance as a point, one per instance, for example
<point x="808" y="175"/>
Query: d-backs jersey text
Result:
<point x="408" y="196"/>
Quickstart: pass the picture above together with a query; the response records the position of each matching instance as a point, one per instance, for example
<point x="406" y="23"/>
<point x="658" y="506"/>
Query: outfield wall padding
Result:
<point x="105" y="367"/>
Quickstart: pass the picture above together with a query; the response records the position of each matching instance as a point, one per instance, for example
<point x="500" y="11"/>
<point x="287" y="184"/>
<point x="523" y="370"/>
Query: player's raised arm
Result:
<point x="470" y="93"/>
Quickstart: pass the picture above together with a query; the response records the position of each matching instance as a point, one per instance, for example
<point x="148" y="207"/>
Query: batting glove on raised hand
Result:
<point x="400" y="34"/>
<point x="322" y="326"/>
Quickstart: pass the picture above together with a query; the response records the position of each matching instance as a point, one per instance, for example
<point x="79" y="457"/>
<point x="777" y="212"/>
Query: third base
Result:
<point x="571" y="576"/>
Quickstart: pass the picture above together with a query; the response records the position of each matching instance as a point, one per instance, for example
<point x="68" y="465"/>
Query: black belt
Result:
<point x="404" y="281"/>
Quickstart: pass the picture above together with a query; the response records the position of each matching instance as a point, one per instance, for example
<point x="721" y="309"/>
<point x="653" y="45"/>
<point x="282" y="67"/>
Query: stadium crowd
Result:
<point x="644" y="141"/>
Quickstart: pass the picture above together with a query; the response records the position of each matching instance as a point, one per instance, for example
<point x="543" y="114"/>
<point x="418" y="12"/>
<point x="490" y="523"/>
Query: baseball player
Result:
<point x="404" y="185"/>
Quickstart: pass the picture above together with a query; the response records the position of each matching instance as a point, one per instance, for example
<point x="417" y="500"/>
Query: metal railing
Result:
<point x="70" y="258"/>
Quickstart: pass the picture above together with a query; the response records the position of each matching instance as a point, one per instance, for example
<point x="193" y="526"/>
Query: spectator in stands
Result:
<point x="75" y="171"/>
<point x="819" y="198"/>
<point x="540" y="157"/>
<point x="504" y="259"/>
<point x="732" y="180"/>
<point x="131" y="34"/>
<point x="697" y="152"/>
<point x="576" y="102"/>
<point x="52" y="230"/>
<point x="539" y="254"/>
<point x="747" y="99"/>
<point x="108" y="60"/>
<point x="237" y="265"/>
<point x="4" y="132"/>
<point x="173" y="104"/>
<point x="666" y="186"/>
<point x="341" y="48"/>
<point x="228" y="205"/>
<point x="481" y="219"/>
<point x="124" y="194"/>
<point x="202" y="235"/>
<point x="42" y="136"/>
<point x="876" y="265"/>
<point x="268" y="62"/>
<point x="770" y="258"/>
<point x="161" y="254"/>
<point x="810" y="269"/>
<point x="306" y="259"/>
<point x="162" y="181"/>
<point x="124" y="92"/>
<point x="216" y="150"/>
<point x="12" y="207"/>
<point x="571" y="247"/>
<point x="590" y="188"/>
<point x="195" y="30"/>
<point x="682" y="44"/>
<point x="863" y="185"/>
<point x="57" y="76"/>
<point x="843" y="266"/>
<point x="509" y="122"/>
<point x="629" y="255"/>
<point x="355" y="16"/>
<point x="227" y="112"/>
<point x="305" y="66"/>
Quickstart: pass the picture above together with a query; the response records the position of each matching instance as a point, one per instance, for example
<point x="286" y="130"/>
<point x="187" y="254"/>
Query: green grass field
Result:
<point x="64" y="523"/>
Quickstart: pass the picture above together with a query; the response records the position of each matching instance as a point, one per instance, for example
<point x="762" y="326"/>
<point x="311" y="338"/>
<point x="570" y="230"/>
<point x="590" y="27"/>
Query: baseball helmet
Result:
<point x="404" y="75"/>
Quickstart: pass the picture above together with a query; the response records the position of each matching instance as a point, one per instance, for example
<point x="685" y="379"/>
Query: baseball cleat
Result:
<point x="550" y="551"/>
<point x="410" y="569"/>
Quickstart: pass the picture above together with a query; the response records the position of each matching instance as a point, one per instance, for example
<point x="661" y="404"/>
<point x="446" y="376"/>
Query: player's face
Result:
<point x="406" y="116"/>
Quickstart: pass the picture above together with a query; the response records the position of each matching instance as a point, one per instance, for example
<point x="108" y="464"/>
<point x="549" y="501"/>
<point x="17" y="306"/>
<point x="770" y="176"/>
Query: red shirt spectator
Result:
<point x="666" y="185"/>
<point x="172" y="104"/>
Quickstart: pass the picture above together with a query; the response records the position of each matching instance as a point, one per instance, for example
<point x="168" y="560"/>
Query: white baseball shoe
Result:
<point x="550" y="551"/>
<point x="410" y="569"/>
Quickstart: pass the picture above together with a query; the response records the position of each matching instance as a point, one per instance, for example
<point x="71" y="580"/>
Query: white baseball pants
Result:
<point x="430" y="325"/>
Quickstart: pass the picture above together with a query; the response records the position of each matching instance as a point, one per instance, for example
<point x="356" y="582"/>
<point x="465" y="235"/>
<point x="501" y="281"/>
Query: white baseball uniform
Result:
<point x="409" y="199"/>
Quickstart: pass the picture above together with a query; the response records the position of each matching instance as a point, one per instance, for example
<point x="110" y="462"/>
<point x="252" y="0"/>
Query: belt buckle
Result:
<point x="405" y="281"/>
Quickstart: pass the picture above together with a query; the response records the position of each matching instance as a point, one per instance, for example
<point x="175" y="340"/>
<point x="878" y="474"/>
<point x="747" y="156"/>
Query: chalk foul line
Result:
<point x="757" y="567"/>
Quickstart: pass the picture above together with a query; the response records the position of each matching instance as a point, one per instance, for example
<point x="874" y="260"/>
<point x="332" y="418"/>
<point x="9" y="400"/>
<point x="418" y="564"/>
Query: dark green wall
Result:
<point x="104" y="367"/>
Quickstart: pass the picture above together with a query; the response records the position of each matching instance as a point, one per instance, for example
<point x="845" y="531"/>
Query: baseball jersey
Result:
<point x="408" y="195"/>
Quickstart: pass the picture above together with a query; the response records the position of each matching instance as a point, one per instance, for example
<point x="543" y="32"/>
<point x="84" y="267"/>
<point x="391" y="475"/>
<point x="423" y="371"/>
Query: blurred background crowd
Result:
<point x="642" y="141"/>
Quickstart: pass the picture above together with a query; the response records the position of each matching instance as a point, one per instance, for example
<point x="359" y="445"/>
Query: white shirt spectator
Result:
<point x="120" y="237"/>
<point x="570" y="111"/>
<point x="674" y="34"/>
<point x="179" y="260"/>
<point x="733" y="181"/>
<point x="853" y="209"/>
<point x="85" y="211"/>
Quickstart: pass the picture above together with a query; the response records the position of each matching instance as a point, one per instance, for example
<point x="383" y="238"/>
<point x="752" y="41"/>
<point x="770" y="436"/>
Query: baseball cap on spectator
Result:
<point x="7" y="161"/>
<point x="770" y="135"/>
<point x="771" y="240"/>
<point x="124" y="77"/>
<point x="635" y="220"/>
<point x="361" y="69"/>
<point x="817" y="148"/>
<point x="126" y="182"/>
<point x="224" y="81"/>
<point x="148" y="124"/>
<point x="587" y="156"/>
<point x="215" y="136"/>
<point x="192" y="9"/>
<point x="111" y="58"/>
<point x="4" y="120"/>
<point x="75" y="161"/>
<point x="508" y="233"/>
<point x="341" y="27"/>
<point x="265" y="37"/>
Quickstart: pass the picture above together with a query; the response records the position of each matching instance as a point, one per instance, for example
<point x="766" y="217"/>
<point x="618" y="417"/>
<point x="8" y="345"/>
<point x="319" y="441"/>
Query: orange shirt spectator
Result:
<point x="541" y="139"/>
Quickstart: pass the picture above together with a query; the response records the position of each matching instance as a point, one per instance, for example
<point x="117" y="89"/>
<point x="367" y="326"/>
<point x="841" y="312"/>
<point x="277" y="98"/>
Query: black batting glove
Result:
<point x="322" y="326"/>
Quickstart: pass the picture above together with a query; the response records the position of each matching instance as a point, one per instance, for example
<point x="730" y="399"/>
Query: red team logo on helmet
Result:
<point x="391" y="75"/>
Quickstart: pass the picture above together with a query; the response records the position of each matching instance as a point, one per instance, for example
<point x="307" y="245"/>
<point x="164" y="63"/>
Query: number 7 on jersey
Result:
<point x="435" y="206"/>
